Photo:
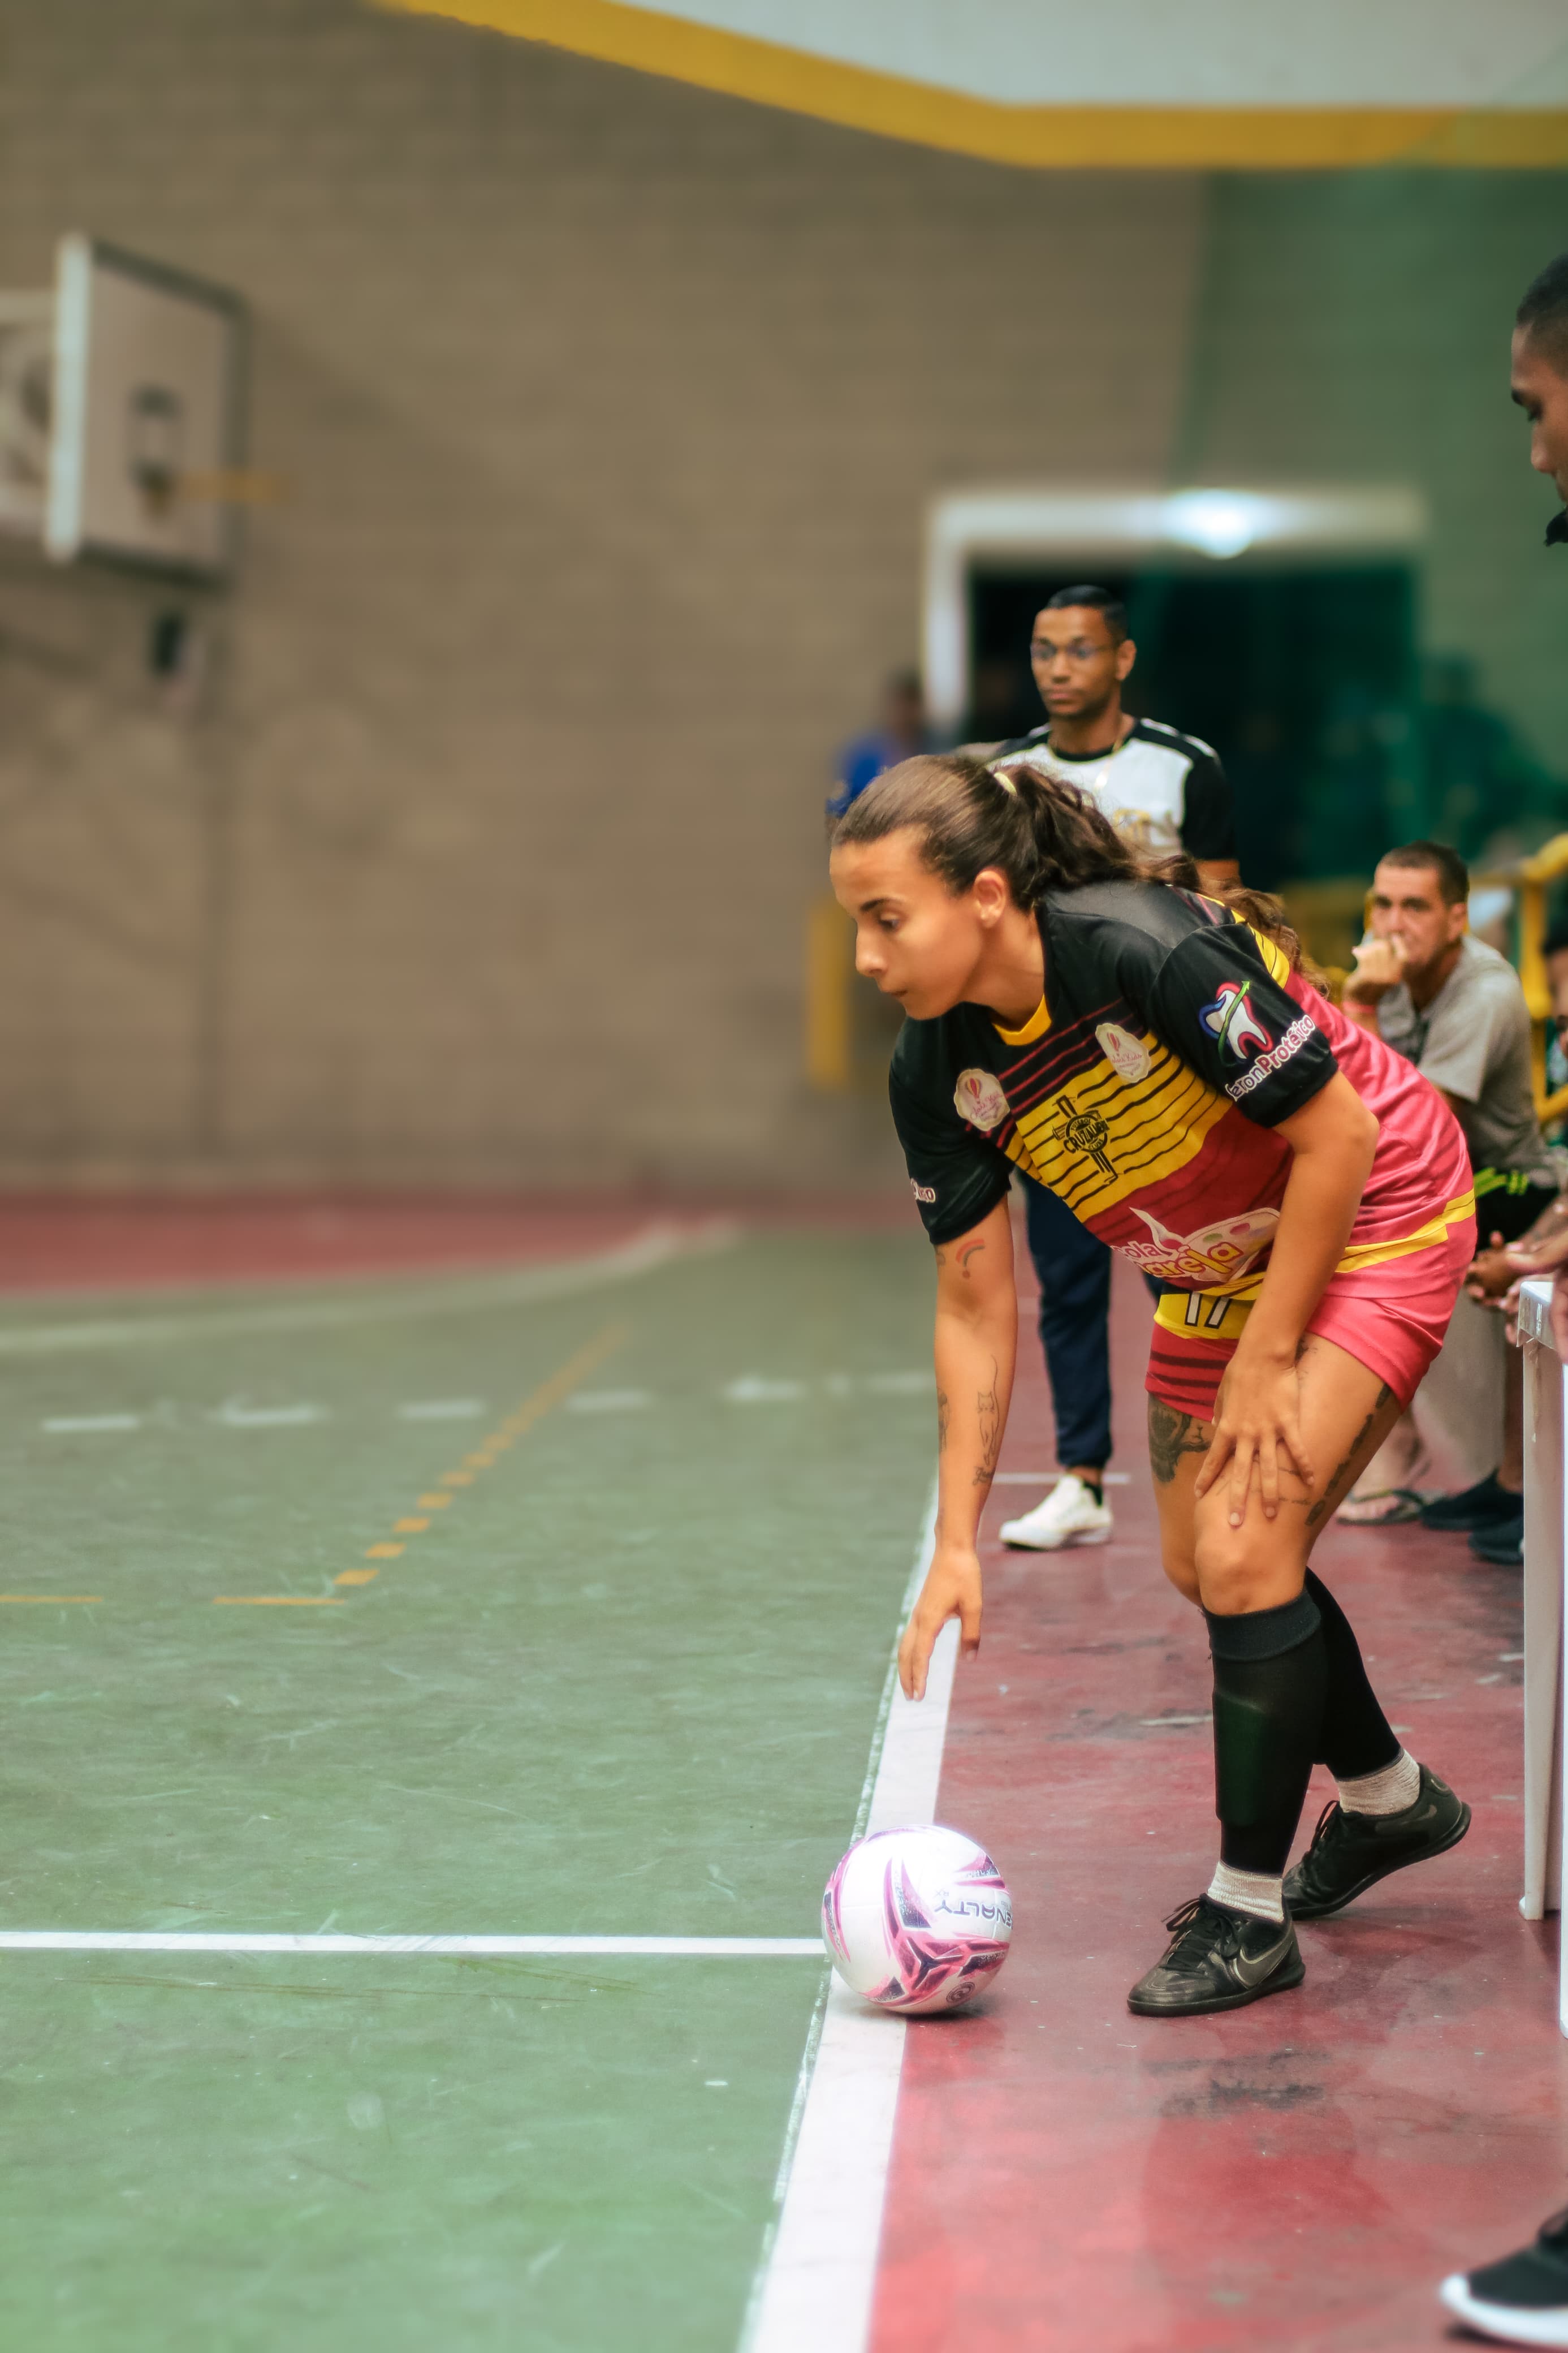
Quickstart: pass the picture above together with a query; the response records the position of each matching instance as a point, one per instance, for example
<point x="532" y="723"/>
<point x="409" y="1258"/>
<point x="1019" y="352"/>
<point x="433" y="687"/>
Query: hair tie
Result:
<point x="1006" y="783"/>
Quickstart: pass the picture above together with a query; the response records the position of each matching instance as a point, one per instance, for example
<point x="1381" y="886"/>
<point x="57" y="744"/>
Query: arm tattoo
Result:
<point x="1172" y="1435"/>
<point x="944" y="1416"/>
<point x="988" y="1407"/>
<point x="970" y="1249"/>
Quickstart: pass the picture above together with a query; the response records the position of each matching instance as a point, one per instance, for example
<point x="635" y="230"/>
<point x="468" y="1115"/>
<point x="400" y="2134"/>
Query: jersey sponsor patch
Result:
<point x="926" y="1193"/>
<point x="1128" y="1056"/>
<point x="1232" y="1023"/>
<point x="1276" y="1058"/>
<point x="1209" y="1255"/>
<point x="979" y="1099"/>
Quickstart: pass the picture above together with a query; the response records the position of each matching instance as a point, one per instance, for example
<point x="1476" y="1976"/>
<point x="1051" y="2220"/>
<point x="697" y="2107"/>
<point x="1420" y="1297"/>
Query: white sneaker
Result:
<point x="1070" y="1515"/>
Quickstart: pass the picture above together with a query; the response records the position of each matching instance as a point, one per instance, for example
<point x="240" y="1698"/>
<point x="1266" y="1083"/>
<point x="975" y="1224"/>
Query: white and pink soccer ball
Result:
<point x="917" y="1920"/>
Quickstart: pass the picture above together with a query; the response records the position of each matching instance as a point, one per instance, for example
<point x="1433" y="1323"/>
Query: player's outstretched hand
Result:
<point x="1257" y="1418"/>
<point x="952" y="1589"/>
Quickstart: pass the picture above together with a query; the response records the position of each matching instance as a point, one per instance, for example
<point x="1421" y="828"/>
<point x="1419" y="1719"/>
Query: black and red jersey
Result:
<point x="1146" y="1091"/>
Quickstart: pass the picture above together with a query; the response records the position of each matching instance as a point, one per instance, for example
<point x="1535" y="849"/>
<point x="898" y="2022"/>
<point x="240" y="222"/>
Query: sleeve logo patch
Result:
<point x="1232" y="1023"/>
<point x="1128" y="1056"/>
<point x="1291" y="1043"/>
<point x="922" y="1192"/>
<point x="979" y="1099"/>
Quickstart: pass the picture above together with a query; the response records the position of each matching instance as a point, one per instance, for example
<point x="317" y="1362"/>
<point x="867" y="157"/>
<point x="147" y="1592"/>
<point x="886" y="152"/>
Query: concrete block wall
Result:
<point x="610" y="408"/>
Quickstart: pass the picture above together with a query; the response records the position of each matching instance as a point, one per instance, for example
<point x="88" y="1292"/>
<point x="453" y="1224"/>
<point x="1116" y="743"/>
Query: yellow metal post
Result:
<point x="829" y="975"/>
<point x="1529" y="879"/>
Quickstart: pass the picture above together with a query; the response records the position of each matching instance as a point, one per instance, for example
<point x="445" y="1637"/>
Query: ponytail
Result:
<point x="1039" y="831"/>
<point x="1041" y="835"/>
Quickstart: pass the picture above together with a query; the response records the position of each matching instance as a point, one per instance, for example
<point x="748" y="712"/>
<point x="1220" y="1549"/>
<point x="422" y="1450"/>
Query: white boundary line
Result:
<point x="117" y="1940"/>
<point x="655" y="1247"/>
<point x="819" y="2268"/>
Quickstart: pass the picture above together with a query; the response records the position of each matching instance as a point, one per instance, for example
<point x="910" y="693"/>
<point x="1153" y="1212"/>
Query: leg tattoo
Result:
<point x="1334" y="1493"/>
<point x="1172" y="1435"/>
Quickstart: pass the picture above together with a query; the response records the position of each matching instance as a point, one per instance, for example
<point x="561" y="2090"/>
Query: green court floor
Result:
<point x="625" y="1681"/>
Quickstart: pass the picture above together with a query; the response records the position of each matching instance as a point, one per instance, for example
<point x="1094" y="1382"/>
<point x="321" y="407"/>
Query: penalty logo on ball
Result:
<point x="917" y="1920"/>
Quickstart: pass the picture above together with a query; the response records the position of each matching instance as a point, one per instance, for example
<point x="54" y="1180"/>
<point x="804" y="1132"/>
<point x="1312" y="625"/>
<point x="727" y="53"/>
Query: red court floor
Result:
<point x="110" y="1243"/>
<point x="1300" y="2173"/>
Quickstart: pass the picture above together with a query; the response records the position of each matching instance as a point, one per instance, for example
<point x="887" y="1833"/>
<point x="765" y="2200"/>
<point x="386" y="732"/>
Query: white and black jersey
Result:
<point x="1165" y="790"/>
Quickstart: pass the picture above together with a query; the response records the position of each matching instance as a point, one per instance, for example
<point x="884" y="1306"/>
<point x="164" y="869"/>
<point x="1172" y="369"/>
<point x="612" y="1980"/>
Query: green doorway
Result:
<point x="1305" y="681"/>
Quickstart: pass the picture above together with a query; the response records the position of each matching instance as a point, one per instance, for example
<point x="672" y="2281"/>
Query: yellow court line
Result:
<point x="1042" y="138"/>
<point x="548" y="1394"/>
<point x="51" y="1597"/>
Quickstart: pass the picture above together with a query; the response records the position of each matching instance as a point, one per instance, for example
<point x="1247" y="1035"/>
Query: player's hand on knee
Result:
<point x="1257" y="1418"/>
<point x="952" y="1589"/>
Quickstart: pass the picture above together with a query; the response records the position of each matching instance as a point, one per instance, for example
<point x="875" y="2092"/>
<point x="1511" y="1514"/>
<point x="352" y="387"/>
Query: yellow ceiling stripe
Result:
<point x="1046" y="138"/>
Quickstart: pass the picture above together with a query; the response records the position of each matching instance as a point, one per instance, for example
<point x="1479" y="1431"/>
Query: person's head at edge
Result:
<point x="1420" y="893"/>
<point x="1539" y="371"/>
<point x="1081" y="654"/>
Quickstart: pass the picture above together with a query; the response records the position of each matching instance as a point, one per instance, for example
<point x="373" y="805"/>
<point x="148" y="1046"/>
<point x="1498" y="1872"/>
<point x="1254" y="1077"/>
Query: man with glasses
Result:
<point x="1168" y="793"/>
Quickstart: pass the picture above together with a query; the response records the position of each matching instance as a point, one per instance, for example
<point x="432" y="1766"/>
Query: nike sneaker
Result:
<point x="1071" y="1513"/>
<point x="1350" y="1852"/>
<point x="1220" y="1960"/>
<point x="1523" y="2300"/>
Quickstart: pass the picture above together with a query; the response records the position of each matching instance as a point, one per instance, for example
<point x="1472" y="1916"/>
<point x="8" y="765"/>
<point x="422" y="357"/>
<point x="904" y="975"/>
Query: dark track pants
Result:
<point x="1074" y="1270"/>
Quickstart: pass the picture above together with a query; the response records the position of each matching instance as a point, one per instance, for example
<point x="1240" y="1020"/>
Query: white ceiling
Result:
<point x="1173" y="53"/>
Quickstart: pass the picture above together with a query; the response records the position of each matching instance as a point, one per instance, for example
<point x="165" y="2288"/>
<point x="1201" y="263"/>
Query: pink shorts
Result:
<point x="1391" y="1316"/>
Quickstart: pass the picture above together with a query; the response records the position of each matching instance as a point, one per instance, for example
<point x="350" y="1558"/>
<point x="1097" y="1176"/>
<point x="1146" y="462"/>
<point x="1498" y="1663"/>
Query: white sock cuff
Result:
<point x="1386" y="1792"/>
<point x="1258" y="1892"/>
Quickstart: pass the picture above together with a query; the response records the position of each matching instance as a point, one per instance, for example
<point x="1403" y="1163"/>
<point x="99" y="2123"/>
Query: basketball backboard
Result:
<point x="145" y="412"/>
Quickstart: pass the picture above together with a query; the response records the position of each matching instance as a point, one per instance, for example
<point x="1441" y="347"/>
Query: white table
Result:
<point x="1545" y="1563"/>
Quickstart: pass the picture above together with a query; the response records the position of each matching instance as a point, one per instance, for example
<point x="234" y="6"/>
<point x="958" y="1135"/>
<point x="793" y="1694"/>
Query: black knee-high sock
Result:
<point x="1270" y="1675"/>
<point x="1357" y="1737"/>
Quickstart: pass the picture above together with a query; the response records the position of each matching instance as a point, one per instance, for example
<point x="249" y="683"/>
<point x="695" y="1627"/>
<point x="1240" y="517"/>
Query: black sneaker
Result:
<point x="1502" y="1544"/>
<point x="1349" y="1853"/>
<point x="1220" y="1960"/>
<point x="1523" y="2299"/>
<point x="1481" y="1507"/>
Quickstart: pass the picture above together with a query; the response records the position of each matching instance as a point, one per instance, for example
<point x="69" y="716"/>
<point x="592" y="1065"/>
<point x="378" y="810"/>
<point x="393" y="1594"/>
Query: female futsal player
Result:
<point x="1159" y="1062"/>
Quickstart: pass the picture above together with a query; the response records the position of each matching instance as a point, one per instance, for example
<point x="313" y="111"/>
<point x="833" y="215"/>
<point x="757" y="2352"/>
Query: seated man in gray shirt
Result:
<point x="1455" y="1008"/>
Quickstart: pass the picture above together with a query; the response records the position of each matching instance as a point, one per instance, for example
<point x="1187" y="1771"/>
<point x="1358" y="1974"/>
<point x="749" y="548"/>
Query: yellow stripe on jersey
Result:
<point x="1435" y="1229"/>
<point x="1203" y="1314"/>
<point x="1222" y="1314"/>
<point x="1273" y="956"/>
<point x="1102" y="1136"/>
<point x="1099" y="1139"/>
